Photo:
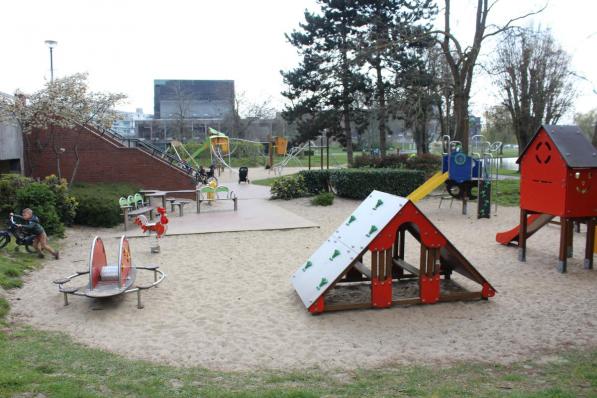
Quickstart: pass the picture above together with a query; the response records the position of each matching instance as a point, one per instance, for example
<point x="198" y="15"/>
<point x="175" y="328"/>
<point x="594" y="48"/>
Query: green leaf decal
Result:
<point x="371" y="230"/>
<point x="322" y="283"/>
<point x="307" y="266"/>
<point x="379" y="203"/>
<point x="351" y="220"/>
<point x="335" y="254"/>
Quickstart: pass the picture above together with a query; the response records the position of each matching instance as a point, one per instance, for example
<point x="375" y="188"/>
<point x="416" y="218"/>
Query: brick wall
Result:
<point x="101" y="160"/>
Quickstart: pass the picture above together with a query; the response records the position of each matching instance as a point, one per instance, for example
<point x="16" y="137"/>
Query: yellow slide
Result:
<point x="429" y="186"/>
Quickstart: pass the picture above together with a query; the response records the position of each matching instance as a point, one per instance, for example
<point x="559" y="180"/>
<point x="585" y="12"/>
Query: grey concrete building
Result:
<point x="193" y="99"/>
<point x="11" y="146"/>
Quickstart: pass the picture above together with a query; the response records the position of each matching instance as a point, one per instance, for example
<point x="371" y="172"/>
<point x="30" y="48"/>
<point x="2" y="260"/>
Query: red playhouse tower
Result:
<point x="558" y="179"/>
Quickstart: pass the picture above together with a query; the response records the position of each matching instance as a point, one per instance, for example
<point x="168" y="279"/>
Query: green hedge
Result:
<point x="428" y="163"/>
<point x="316" y="181"/>
<point x="358" y="183"/>
<point x="98" y="203"/>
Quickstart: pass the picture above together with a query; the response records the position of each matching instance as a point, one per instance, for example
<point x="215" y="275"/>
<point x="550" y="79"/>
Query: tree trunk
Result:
<point x="595" y="135"/>
<point x="381" y="113"/>
<point x="346" y="101"/>
<point x="348" y="134"/>
<point x="75" y="168"/>
<point x="461" y="120"/>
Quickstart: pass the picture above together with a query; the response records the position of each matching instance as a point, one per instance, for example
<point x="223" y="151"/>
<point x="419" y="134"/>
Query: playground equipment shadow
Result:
<point x="255" y="213"/>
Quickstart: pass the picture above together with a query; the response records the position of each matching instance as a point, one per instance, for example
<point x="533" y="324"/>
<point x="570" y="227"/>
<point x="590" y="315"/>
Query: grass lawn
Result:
<point x="508" y="192"/>
<point x="35" y="362"/>
<point x="269" y="181"/>
<point x="13" y="264"/>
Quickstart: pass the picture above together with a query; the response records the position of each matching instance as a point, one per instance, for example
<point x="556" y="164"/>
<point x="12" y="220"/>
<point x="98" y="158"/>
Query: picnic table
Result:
<point x="158" y="194"/>
<point x="178" y="202"/>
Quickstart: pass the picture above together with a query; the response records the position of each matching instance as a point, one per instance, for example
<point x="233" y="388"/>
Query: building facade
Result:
<point x="11" y="146"/>
<point x="126" y="125"/>
<point x="193" y="99"/>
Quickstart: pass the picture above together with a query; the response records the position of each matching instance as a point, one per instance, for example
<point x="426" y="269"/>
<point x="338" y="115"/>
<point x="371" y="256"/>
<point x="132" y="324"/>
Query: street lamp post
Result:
<point x="51" y="44"/>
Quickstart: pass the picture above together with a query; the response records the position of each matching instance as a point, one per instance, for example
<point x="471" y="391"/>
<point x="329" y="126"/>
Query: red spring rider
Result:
<point x="159" y="227"/>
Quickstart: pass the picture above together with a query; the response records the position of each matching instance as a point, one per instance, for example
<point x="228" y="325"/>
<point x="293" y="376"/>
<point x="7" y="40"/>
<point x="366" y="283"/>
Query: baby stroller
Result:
<point x="243" y="175"/>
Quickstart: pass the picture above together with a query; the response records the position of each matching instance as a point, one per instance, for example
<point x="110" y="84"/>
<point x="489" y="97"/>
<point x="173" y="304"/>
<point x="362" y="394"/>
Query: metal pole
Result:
<point x="309" y="153"/>
<point x="321" y="152"/>
<point x="327" y="148"/>
<point x="51" y="65"/>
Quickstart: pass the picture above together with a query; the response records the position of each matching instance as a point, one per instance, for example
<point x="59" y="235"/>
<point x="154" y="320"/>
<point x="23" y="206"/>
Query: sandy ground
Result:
<point x="227" y="302"/>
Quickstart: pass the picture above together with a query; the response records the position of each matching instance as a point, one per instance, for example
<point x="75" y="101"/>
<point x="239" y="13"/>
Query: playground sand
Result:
<point x="227" y="302"/>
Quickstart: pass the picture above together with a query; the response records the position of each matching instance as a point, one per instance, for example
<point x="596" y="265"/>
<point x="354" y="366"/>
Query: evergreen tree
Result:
<point x="394" y="34"/>
<point x="324" y="89"/>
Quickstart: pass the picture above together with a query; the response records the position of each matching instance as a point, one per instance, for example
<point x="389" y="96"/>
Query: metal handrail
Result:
<point x="149" y="148"/>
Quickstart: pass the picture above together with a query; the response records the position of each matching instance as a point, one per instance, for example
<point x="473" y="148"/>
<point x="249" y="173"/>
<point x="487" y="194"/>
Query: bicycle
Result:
<point x="21" y="237"/>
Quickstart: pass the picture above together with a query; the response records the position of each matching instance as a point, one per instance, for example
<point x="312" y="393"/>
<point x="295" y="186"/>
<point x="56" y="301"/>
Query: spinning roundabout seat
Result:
<point x="109" y="280"/>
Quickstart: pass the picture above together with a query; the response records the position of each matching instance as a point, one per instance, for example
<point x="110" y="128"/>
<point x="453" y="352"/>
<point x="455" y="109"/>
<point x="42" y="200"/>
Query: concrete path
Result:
<point x="255" y="213"/>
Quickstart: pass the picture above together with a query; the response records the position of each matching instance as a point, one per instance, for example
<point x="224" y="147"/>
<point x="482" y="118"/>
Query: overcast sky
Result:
<point x="125" y="44"/>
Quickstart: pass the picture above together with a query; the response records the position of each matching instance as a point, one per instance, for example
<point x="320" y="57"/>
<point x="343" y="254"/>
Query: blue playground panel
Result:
<point x="460" y="166"/>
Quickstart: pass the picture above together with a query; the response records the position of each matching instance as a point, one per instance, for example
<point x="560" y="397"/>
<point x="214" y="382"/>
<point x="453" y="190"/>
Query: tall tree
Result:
<point x="587" y="123"/>
<point x="498" y="125"/>
<point x="418" y="97"/>
<point x="394" y="28"/>
<point x="65" y="103"/>
<point x="535" y="80"/>
<point x="462" y="61"/>
<point x="247" y="112"/>
<point x="328" y="78"/>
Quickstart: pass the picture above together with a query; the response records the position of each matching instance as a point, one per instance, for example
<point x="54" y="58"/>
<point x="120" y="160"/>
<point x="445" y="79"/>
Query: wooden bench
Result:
<point x="128" y="213"/>
<point x="176" y="202"/>
<point x="202" y="196"/>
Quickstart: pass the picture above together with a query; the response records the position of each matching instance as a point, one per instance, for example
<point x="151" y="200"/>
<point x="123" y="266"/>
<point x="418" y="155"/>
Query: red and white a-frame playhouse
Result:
<point x="379" y="225"/>
<point x="558" y="178"/>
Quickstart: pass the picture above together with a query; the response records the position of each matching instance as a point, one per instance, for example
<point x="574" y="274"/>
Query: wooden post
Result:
<point x="570" y="236"/>
<point x="563" y="256"/>
<point x="590" y="245"/>
<point x="397" y="253"/>
<point x="522" y="236"/>
<point x="271" y="151"/>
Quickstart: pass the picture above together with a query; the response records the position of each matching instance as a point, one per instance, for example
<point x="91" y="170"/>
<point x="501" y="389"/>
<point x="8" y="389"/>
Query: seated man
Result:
<point x="32" y="226"/>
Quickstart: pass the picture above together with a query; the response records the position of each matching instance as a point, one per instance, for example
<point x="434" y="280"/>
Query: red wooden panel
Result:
<point x="430" y="236"/>
<point x="97" y="261"/>
<point x="381" y="292"/>
<point x="125" y="260"/>
<point x="581" y="193"/>
<point x="543" y="177"/>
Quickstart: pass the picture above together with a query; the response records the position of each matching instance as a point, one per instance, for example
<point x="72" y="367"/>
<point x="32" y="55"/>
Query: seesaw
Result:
<point x="109" y="280"/>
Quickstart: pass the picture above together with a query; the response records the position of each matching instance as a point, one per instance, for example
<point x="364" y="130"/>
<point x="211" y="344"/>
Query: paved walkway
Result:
<point x="255" y="213"/>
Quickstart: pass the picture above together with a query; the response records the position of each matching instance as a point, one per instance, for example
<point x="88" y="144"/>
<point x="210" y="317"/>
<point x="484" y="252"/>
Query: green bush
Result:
<point x="97" y="211"/>
<point x="290" y="187"/>
<point x="316" y="181"/>
<point x="358" y="183"/>
<point x="66" y="204"/>
<point x="9" y="185"/>
<point x="323" y="199"/>
<point x="98" y="203"/>
<point x="427" y="162"/>
<point x="40" y="198"/>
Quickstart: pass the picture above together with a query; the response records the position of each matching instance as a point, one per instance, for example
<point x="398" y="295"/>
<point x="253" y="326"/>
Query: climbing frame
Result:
<point x="379" y="225"/>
